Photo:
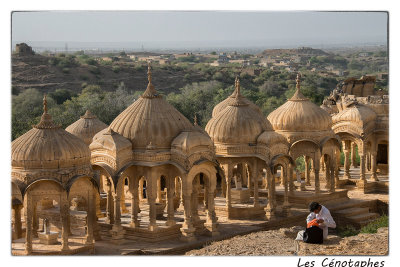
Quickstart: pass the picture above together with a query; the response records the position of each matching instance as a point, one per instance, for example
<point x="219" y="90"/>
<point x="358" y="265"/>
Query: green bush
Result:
<point x="347" y="230"/>
<point x="116" y="69"/>
<point x="372" y="227"/>
<point x="65" y="70"/>
<point x="94" y="69"/>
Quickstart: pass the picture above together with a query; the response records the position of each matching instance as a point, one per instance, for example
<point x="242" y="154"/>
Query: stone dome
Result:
<point x="299" y="114"/>
<point x="48" y="146"/>
<point x="86" y="127"/>
<point x="150" y="119"/>
<point x="356" y="113"/>
<point x="231" y="99"/>
<point x="189" y="140"/>
<point x="238" y="123"/>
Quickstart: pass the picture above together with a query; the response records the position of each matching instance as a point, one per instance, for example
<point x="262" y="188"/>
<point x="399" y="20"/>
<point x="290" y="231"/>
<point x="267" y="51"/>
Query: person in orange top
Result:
<point x="322" y="216"/>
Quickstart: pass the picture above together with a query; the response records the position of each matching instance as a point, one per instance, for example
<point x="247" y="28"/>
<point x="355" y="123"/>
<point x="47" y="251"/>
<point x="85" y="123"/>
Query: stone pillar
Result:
<point x="282" y="178"/>
<point x="90" y="219"/>
<point x="170" y="201"/>
<point x="307" y="170"/>
<point x="374" y="177"/>
<point x="328" y="162"/>
<point x="243" y="173"/>
<point x="122" y="198"/>
<point x="64" y="209"/>
<point x="255" y="175"/>
<point x="223" y="186"/>
<point x="286" y="205"/>
<point x="270" y="208"/>
<point x="117" y="213"/>
<point x="317" y="184"/>
<point x="17" y="220"/>
<point x="247" y="174"/>
<point x="159" y="197"/>
<point x="187" y="228"/>
<point x="228" y="175"/>
<point x="109" y="208"/>
<point x="362" y="167"/>
<point x="353" y="155"/>
<point x="153" y="210"/>
<point x="195" y="200"/>
<point x="211" y="222"/>
<point x="332" y="177"/>
<point x="135" y="222"/>
<point x="28" y="223"/>
<point x="346" y="164"/>
<point x="322" y="164"/>
<point x="141" y="188"/>
<point x="290" y="178"/>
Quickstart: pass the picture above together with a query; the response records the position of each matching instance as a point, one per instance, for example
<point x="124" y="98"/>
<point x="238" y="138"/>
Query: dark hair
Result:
<point x="313" y="206"/>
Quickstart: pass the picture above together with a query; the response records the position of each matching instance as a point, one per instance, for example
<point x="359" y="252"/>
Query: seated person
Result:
<point x="322" y="217"/>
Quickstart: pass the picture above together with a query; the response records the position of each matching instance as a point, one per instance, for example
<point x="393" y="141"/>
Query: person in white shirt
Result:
<point x="323" y="216"/>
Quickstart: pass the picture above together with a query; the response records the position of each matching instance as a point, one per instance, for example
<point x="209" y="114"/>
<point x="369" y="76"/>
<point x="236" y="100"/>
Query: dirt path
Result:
<point x="281" y="242"/>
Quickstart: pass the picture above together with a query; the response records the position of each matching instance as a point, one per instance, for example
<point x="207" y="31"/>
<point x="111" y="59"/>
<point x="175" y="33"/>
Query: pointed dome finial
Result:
<point x="45" y="104"/>
<point x="298" y="81"/>
<point x="195" y="119"/>
<point x="237" y="86"/>
<point x="88" y="115"/>
<point x="46" y="121"/>
<point x="150" y="91"/>
<point x="149" y="71"/>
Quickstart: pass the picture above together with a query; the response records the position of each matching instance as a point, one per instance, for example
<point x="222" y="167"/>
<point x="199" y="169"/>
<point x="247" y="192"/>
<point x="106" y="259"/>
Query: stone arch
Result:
<point x="208" y="169"/>
<point x="16" y="192"/>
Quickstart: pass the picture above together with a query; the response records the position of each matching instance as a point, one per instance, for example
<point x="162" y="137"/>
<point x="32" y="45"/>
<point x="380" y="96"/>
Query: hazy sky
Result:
<point x="203" y="27"/>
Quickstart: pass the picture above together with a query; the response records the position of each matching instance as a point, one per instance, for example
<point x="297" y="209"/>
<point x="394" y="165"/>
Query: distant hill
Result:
<point x="36" y="71"/>
<point x="301" y="51"/>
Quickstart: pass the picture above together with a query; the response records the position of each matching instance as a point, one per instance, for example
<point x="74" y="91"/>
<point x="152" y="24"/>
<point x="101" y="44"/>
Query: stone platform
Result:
<point x="76" y="246"/>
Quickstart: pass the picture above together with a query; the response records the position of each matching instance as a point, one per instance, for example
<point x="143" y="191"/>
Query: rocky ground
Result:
<point x="281" y="242"/>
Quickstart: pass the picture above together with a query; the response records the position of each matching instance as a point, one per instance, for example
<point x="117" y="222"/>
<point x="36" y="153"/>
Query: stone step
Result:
<point x="365" y="222"/>
<point x="352" y="211"/>
<point x="363" y="217"/>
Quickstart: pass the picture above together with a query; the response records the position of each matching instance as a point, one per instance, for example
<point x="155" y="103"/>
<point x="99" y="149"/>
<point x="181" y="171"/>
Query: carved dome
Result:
<point x="356" y="113"/>
<point x="150" y="119"/>
<point x="86" y="127"/>
<point x="110" y="140"/>
<point x="48" y="146"/>
<point x="238" y="123"/>
<point x="299" y="114"/>
<point x="187" y="141"/>
<point x="231" y="99"/>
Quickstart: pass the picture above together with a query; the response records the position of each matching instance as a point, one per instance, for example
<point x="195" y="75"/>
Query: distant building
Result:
<point x="222" y="58"/>
<point x="23" y="49"/>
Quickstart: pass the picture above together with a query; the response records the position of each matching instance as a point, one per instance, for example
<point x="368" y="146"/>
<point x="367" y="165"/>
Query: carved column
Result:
<point x="282" y="178"/>
<point x="117" y="213"/>
<point x="353" y="155"/>
<point x="290" y="178"/>
<point x="328" y="162"/>
<point x="362" y="167"/>
<point x="109" y="208"/>
<point x="332" y="177"/>
<point x="135" y="222"/>
<point x="90" y="216"/>
<point x="286" y="205"/>
<point x="170" y="201"/>
<point x="316" y="176"/>
<point x="64" y="209"/>
<point x="141" y="188"/>
<point x="35" y="222"/>
<point x="28" y="223"/>
<point x="346" y="164"/>
<point x="374" y="177"/>
<point x="212" y="219"/>
<point x="228" y="175"/>
<point x="159" y="197"/>
<point x="17" y="220"/>
<point x="255" y="179"/>
<point x="195" y="200"/>
<point x="151" y="191"/>
<point x="270" y="208"/>
<point x="187" y="228"/>
<point x="307" y="170"/>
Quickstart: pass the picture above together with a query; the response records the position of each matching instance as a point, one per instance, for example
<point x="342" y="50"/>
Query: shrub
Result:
<point x="94" y="69"/>
<point x="116" y="69"/>
<point x="347" y="230"/>
<point x="65" y="70"/>
<point x="372" y="227"/>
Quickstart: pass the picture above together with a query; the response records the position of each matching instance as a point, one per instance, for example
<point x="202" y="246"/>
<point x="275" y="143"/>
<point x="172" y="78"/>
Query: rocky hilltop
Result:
<point x="38" y="71"/>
